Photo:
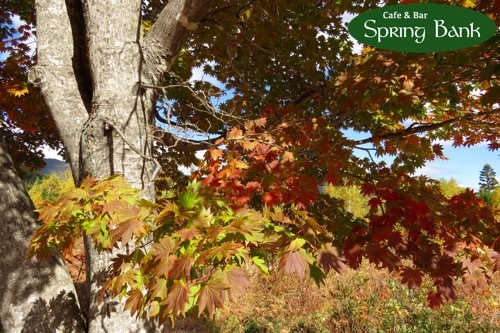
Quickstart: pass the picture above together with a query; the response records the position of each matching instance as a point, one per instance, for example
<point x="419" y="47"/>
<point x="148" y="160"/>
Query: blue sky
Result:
<point x="463" y="164"/>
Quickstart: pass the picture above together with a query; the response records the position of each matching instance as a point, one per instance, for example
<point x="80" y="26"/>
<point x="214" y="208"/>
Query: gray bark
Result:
<point x="116" y="137"/>
<point x="92" y="85"/>
<point x="54" y="75"/>
<point x="34" y="296"/>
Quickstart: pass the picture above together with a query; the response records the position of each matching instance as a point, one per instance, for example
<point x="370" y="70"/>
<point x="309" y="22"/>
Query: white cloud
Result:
<point x="199" y="75"/>
<point x="430" y="170"/>
<point x="16" y="20"/>
<point x="50" y="153"/>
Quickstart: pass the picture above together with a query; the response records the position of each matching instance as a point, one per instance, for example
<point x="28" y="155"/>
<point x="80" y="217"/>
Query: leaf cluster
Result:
<point x="179" y="254"/>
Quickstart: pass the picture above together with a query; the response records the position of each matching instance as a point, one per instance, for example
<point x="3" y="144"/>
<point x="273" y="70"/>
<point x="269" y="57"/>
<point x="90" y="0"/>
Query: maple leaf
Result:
<point x="214" y="153"/>
<point x="412" y="277"/>
<point x="189" y="234"/>
<point x="129" y="277"/>
<point x="474" y="274"/>
<point x="249" y="144"/>
<point x="181" y="268"/>
<point x="169" y="208"/>
<point x="188" y="199"/>
<point x="210" y="297"/>
<point x="472" y="264"/>
<point x="367" y="189"/>
<point x="435" y="299"/>
<point x="125" y="230"/>
<point x="314" y="226"/>
<point x="159" y="289"/>
<point x="494" y="257"/>
<point x="295" y="262"/>
<point x="178" y="297"/>
<point x="113" y="206"/>
<point x="235" y="278"/>
<point x="353" y="253"/>
<point x="203" y="219"/>
<point x="163" y="267"/>
<point x="252" y="187"/>
<point x="235" y="133"/>
<point x="18" y="90"/>
<point x="224" y="251"/>
<point x="261" y="122"/>
<point x="164" y="248"/>
<point x="469" y="3"/>
<point x="328" y="258"/>
<point x="134" y="302"/>
<point x="125" y="211"/>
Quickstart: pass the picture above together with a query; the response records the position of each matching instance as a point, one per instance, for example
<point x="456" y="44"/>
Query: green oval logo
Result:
<point x="422" y="28"/>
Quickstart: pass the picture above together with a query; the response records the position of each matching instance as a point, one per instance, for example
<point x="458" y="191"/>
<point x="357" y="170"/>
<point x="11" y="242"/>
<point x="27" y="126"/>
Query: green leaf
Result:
<point x="188" y="199"/>
<point x="261" y="264"/>
<point x="296" y="244"/>
<point x="317" y="274"/>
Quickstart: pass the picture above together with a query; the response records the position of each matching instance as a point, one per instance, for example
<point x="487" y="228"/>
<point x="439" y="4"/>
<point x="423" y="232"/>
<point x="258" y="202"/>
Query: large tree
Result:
<point x="487" y="183"/>
<point x="487" y="178"/>
<point x="110" y="71"/>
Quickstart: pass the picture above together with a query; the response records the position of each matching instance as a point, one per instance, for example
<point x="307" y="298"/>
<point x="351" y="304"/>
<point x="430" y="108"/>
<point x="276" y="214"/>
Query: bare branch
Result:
<point x="184" y="145"/>
<point x="422" y="128"/>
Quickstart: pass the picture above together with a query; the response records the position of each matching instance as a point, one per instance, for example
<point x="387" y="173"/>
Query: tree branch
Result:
<point x="425" y="127"/>
<point x="57" y="23"/>
<point x="184" y="145"/>
<point x="170" y="32"/>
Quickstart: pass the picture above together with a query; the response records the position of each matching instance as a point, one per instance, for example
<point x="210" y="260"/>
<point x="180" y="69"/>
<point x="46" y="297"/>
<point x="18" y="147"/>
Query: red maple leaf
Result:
<point x="328" y="258"/>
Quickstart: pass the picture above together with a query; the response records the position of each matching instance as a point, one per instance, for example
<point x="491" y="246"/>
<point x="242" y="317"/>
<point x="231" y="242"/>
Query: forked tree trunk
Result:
<point x="91" y="67"/>
<point x="34" y="296"/>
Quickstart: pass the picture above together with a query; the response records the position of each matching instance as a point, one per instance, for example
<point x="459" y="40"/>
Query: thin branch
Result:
<point x="368" y="151"/>
<point x="185" y="145"/>
<point x="425" y="128"/>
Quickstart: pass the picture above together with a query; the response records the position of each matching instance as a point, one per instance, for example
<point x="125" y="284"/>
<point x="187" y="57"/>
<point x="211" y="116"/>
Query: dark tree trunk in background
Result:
<point x="34" y="296"/>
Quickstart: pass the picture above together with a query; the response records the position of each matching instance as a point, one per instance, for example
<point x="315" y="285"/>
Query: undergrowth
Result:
<point x="367" y="300"/>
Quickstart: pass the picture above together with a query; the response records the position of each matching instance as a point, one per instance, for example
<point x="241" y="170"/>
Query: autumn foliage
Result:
<point x="189" y="250"/>
<point x="303" y="112"/>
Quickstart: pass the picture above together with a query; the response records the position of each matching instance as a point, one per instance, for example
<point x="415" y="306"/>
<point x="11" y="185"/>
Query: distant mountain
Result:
<point x="54" y="166"/>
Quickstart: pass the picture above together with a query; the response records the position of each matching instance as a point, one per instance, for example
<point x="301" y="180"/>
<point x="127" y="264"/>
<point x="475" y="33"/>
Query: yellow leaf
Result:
<point x="469" y="3"/>
<point x="214" y="153"/>
<point x="235" y="133"/>
<point x="241" y="165"/>
<point x="367" y="49"/>
<point x="16" y="92"/>
<point x="250" y="145"/>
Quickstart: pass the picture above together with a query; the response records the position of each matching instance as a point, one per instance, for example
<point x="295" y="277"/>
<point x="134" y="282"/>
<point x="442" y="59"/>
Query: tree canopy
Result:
<point x="276" y="127"/>
<point x="487" y="178"/>
<point x="487" y="183"/>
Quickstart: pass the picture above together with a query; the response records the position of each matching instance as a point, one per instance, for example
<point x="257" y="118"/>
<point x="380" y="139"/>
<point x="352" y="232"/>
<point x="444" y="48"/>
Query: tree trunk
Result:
<point x="121" y="124"/>
<point x="91" y="68"/>
<point x="34" y="296"/>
